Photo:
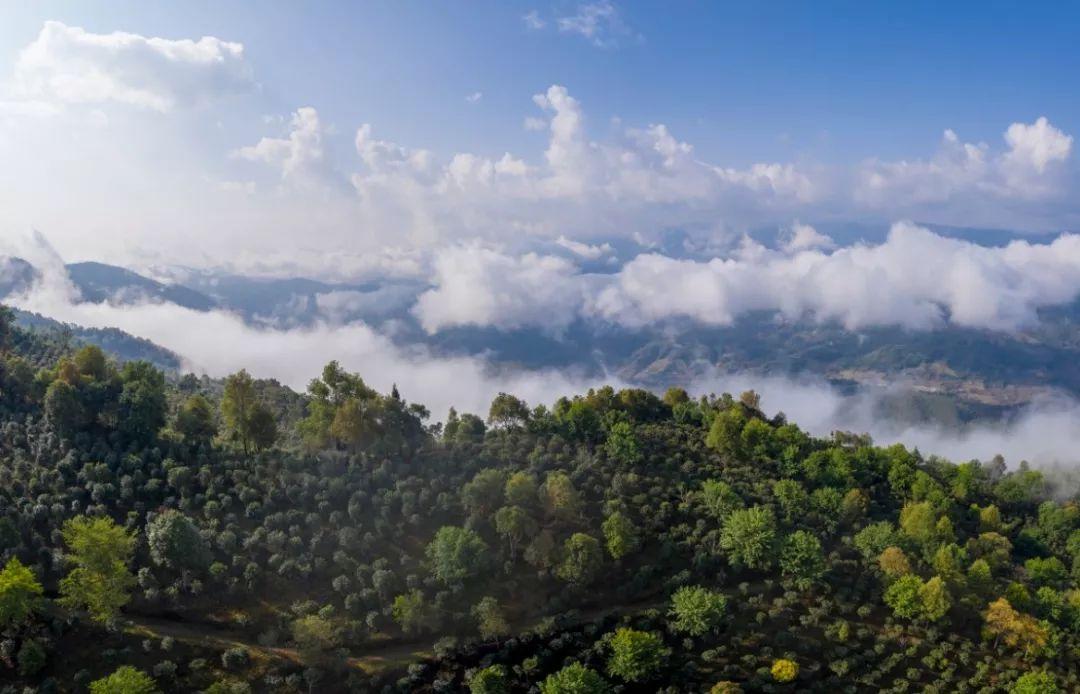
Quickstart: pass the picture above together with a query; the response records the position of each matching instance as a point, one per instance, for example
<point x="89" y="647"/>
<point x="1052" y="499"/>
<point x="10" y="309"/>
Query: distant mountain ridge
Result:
<point x="98" y="282"/>
<point x="121" y="345"/>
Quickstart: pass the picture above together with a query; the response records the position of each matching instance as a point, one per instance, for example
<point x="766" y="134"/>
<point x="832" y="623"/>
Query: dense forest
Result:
<point x="166" y="533"/>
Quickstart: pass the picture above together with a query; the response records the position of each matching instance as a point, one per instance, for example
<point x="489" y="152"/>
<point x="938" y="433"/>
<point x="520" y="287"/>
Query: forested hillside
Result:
<point x="234" y="536"/>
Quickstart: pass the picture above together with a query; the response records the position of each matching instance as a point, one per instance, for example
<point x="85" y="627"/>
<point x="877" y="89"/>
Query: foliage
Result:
<point x="801" y="558"/>
<point x="784" y="670"/>
<point x="697" y="610"/>
<point x="20" y="593"/>
<point x="101" y="581"/>
<point x="125" y="680"/>
<point x="635" y="655"/>
<point x="574" y="679"/>
<point x="490" y="680"/>
<point x="620" y="535"/>
<point x="456" y="554"/>
<point x="582" y="559"/>
<point x="1016" y="629"/>
<point x="1038" y="682"/>
<point x="749" y="535"/>
<point x="490" y="620"/>
<point x="175" y="542"/>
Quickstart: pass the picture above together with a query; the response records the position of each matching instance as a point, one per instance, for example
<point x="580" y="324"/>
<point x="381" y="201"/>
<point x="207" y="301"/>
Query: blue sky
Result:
<point x="742" y="81"/>
<point x="312" y="127"/>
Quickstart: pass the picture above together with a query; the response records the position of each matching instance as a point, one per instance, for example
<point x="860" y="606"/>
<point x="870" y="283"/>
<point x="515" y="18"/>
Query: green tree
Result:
<point x="793" y="499"/>
<point x="919" y="522"/>
<point x="522" y="490"/>
<point x="125" y="680"/>
<point x="1037" y="682"/>
<point x="749" y="536"/>
<point x="456" y="554"/>
<point x="20" y="594"/>
<point x="490" y="619"/>
<point x="636" y="656"/>
<point x="574" y="679"/>
<point x="561" y="500"/>
<point x="484" y="493"/>
<point x="622" y="445"/>
<point x="101" y="581"/>
<point x="582" y="559"/>
<point x="315" y="636"/>
<point x="63" y="409"/>
<point x="91" y="362"/>
<point x="696" y="610"/>
<point x="246" y="419"/>
<point x="195" y="420"/>
<point x="142" y="400"/>
<point x="507" y="410"/>
<point x="175" y="542"/>
<point x="872" y="540"/>
<point x="493" y="679"/>
<point x="720" y="499"/>
<point x="620" y="535"/>
<point x="802" y="559"/>
<point x="412" y="613"/>
<point x="725" y="432"/>
<point x="515" y="524"/>
<point x="934" y="599"/>
<point x="903" y="596"/>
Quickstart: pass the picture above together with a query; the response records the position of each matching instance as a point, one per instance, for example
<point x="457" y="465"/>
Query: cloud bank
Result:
<point x="915" y="279"/>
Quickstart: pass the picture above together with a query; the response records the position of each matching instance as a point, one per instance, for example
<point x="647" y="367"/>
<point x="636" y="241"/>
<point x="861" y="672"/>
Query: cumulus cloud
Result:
<point x="581" y="187"/>
<point x="1029" y="167"/>
<point x="71" y="65"/>
<point x="915" y="278"/>
<point x="803" y="237"/>
<point x="480" y="286"/>
<point x="301" y="155"/>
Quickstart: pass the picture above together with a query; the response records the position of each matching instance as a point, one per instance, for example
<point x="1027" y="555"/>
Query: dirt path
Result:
<point x="375" y="660"/>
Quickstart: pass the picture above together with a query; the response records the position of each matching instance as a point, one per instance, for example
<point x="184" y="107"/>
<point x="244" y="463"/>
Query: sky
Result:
<point x="264" y="137"/>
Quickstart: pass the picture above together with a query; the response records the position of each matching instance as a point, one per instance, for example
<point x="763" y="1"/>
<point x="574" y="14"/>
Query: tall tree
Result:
<point x="101" y="581"/>
<point x="237" y="404"/>
<point x="20" y="593"/>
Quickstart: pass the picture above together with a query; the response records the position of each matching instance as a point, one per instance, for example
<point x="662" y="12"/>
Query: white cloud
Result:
<point x="803" y="237"/>
<point x="600" y="22"/>
<point x="585" y="250"/>
<point x="301" y="155"/>
<point x="581" y="186"/>
<point x="1036" y="145"/>
<point x="1028" y="168"/>
<point x="71" y="65"/>
<point x="916" y="279"/>
<point x="474" y="97"/>
<point x="480" y="286"/>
